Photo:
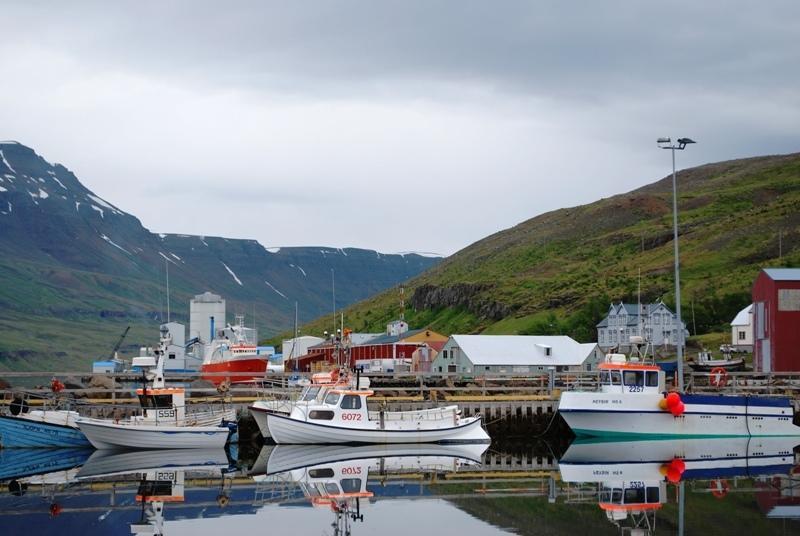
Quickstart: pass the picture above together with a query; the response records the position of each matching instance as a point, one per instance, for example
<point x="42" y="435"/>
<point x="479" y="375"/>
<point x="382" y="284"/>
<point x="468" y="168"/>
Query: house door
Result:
<point x="766" y="357"/>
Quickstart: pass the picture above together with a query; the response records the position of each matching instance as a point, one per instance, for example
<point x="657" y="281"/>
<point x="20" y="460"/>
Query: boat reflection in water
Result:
<point x="161" y="475"/>
<point x="632" y="477"/>
<point x="337" y="477"/>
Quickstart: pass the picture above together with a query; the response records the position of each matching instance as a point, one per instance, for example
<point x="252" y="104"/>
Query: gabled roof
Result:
<point x="783" y="274"/>
<point x="390" y="339"/>
<point x="523" y="350"/>
<point x="743" y="317"/>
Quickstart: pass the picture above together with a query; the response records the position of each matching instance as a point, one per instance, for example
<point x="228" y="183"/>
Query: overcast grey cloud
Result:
<point x="390" y="125"/>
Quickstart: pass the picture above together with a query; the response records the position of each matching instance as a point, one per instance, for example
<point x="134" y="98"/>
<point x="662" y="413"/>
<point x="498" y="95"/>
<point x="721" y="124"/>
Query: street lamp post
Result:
<point x="666" y="143"/>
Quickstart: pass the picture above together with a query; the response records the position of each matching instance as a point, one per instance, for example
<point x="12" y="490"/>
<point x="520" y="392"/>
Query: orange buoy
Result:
<point x="678" y="409"/>
<point x="672" y="399"/>
<point x="678" y="464"/>
<point x="662" y="404"/>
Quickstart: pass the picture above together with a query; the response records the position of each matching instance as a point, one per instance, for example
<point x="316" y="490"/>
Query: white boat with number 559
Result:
<point x="164" y="422"/>
<point x="343" y="417"/>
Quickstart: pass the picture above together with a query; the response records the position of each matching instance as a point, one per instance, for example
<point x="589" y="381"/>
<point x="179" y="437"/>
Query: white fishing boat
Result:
<point x="632" y="402"/>
<point x="342" y="417"/>
<point x="313" y="393"/>
<point x="164" y="422"/>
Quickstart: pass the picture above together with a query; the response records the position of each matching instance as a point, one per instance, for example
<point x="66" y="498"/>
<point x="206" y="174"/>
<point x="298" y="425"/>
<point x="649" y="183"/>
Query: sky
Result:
<point x="394" y="125"/>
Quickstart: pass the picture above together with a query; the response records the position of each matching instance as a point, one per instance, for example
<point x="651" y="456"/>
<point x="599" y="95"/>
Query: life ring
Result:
<point x="718" y="377"/>
<point x="719" y="488"/>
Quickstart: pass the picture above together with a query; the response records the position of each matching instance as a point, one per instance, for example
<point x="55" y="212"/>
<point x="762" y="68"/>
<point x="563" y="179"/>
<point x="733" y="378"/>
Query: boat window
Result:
<point x="611" y="495"/>
<point x="616" y="379"/>
<point x="351" y="402"/>
<point x="605" y="377"/>
<point x="311" y="491"/>
<point x="652" y="379"/>
<point x="331" y="489"/>
<point x="310" y="394"/>
<point x="634" y="495"/>
<point x="155" y="401"/>
<point x="332" y="398"/>
<point x="325" y="472"/>
<point x="633" y="377"/>
<point x="351" y="485"/>
<point x="155" y="488"/>
<point x="320" y="415"/>
<point x="653" y="495"/>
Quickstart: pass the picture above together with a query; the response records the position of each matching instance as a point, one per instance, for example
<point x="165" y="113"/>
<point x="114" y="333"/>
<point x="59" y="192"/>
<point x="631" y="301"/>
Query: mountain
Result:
<point x="75" y="270"/>
<point x="558" y="272"/>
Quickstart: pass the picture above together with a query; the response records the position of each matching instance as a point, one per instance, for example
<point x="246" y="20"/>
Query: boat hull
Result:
<point x="285" y="430"/>
<point x="638" y="416"/>
<point x="41" y="429"/>
<point x="238" y="370"/>
<point x="27" y="463"/>
<point x="109" y="435"/>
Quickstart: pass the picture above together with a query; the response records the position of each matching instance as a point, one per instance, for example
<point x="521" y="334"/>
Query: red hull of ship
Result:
<point x="241" y="370"/>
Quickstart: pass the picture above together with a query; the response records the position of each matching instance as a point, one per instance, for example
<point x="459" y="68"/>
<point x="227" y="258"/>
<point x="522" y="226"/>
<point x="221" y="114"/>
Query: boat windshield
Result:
<point x="638" y="493"/>
<point x="610" y="377"/>
<point x="310" y="394"/>
<point x="155" y="401"/>
<point x="332" y="399"/>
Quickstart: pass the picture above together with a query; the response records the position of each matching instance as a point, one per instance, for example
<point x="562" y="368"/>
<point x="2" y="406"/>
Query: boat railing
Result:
<point x="432" y="414"/>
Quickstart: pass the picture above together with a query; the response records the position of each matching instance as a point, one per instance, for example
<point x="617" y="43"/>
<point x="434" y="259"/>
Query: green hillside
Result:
<point x="559" y="271"/>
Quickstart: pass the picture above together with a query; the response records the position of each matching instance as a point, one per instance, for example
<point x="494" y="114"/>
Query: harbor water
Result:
<point x="725" y="486"/>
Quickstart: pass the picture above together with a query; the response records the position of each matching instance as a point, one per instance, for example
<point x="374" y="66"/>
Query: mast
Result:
<point x="166" y="264"/>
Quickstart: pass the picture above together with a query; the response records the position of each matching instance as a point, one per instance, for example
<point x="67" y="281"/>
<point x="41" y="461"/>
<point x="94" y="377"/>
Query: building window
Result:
<point x="742" y="335"/>
<point x="444" y="354"/>
<point x="548" y="351"/>
<point x="171" y="356"/>
<point x="487" y="369"/>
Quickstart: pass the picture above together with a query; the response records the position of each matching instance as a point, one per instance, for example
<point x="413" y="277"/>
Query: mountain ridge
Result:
<point x="70" y="254"/>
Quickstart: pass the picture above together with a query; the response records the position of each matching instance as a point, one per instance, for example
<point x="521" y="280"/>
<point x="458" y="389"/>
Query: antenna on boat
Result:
<point x="166" y="264"/>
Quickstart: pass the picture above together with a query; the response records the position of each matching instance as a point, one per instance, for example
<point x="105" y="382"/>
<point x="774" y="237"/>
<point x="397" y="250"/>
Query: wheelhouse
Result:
<point x="617" y="375"/>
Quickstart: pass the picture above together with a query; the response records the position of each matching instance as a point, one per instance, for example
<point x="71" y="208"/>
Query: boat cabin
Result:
<point x="341" y="405"/>
<point x="163" y="404"/>
<point x="618" y="374"/>
<point x="330" y="483"/>
<point x="634" y="498"/>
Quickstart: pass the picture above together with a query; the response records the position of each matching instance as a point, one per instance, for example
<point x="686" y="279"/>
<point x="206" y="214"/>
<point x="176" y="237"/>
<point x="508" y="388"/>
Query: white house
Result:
<point x="515" y="354"/>
<point x="742" y="330"/>
<point x="656" y="323"/>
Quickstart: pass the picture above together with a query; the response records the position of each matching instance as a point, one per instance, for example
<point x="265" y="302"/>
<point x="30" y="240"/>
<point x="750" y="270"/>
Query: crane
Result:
<point x="113" y="354"/>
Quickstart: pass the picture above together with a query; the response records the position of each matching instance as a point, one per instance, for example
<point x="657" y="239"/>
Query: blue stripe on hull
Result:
<point x="21" y="433"/>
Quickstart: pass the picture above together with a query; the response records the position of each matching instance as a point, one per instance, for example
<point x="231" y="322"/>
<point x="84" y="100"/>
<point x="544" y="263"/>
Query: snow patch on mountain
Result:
<point x="281" y="294"/>
<point x="107" y="239"/>
<point x="3" y="157"/>
<point x="168" y="259"/>
<point x="272" y="250"/>
<point x="59" y="182"/>
<point x="43" y="194"/>
<point x="232" y="274"/>
<point x="100" y="210"/>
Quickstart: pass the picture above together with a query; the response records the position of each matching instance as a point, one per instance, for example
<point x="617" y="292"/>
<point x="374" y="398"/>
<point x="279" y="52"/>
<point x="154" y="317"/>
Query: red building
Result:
<point x="776" y="320"/>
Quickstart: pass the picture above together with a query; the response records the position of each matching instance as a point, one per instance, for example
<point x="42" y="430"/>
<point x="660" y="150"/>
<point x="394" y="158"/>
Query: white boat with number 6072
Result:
<point x="343" y="417"/>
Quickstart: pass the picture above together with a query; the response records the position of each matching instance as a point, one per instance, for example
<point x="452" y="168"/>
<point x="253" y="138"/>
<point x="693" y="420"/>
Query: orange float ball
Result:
<point x="673" y="475"/>
<point x="678" y="409"/>
<point x="678" y="464"/>
<point x="662" y="404"/>
<point x="664" y="469"/>
<point x="672" y="399"/>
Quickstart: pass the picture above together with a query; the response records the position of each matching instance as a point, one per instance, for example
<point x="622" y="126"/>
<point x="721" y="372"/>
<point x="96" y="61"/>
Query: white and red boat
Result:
<point x="235" y="352"/>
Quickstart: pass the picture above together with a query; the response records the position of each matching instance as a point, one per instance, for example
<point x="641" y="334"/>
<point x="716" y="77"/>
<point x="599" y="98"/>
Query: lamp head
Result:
<point x="663" y="140"/>
<point x="683" y="142"/>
